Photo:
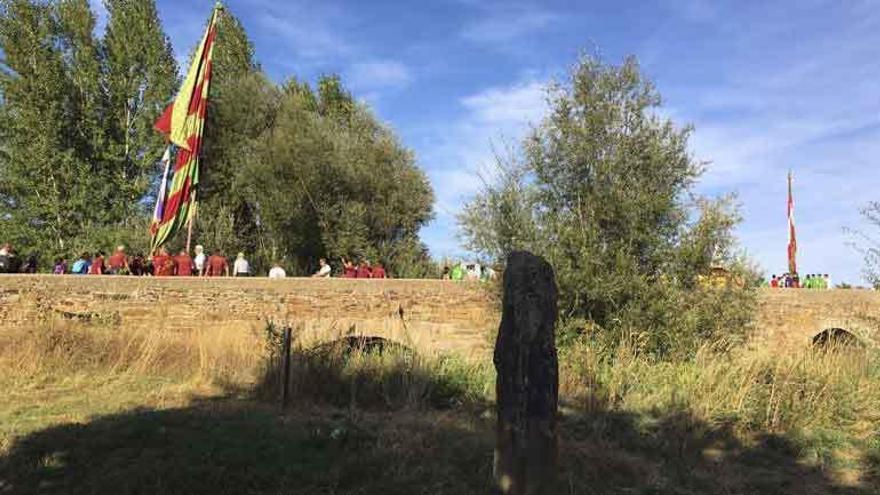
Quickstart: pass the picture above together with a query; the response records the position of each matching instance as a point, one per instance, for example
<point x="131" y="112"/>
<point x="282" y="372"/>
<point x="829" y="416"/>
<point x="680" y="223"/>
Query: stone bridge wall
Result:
<point x="430" y="315"/>
<point x="793" y="317"/>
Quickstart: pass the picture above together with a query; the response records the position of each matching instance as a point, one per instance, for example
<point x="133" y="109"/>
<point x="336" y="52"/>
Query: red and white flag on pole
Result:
<point x="792" y="238"/>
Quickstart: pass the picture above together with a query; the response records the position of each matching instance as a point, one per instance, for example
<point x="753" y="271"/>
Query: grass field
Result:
<point x="94" y="410"/>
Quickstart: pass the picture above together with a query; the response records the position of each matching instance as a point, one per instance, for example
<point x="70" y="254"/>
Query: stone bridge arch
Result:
<point x="794" y="317"/>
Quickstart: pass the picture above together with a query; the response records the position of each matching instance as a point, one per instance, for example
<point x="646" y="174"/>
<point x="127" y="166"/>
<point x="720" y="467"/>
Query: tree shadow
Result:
<point x="232" y="447"/>
<point x="674" y="452"/>
<point x="335" y="440"/>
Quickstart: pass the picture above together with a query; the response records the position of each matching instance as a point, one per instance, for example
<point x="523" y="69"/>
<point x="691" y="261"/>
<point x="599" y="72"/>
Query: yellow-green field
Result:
<point x="95" y="410"/>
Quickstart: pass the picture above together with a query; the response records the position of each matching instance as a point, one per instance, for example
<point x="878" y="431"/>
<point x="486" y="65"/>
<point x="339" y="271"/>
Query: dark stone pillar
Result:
<point x="527" y="386"/>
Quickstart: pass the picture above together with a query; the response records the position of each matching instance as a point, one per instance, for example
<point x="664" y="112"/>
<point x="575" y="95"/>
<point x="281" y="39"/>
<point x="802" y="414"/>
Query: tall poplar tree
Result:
<point x="141" y="78"/>
<point x="79" y="152"/>
<point x="47" y="181"/>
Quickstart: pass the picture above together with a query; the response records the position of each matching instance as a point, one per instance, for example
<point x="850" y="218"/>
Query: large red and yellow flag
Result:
<point x="183" y="122"/>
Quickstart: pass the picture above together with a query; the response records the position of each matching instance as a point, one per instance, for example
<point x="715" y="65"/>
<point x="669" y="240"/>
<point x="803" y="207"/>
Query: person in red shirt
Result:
<point x="97" y="266"/>
<point x="348" y="269"/>
<point x="217" y="265"/>
<point x="364" y="270"/>
<point x="774" y="282"/>
<point x="163" y="265"/>
<point x="183" y="264"/>
<point x="117" y="262"/>
<point x="379" y="271"/>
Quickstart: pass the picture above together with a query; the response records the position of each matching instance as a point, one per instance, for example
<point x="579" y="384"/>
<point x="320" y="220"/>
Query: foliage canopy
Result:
<point x="603" y="188"/>
<point x="289" y="172"/>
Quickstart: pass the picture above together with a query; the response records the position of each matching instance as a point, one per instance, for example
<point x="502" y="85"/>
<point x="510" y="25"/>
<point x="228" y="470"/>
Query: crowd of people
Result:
<point x="468" y="271"/>
<point x="793" y="281"/>
<point x="182" y="264"/>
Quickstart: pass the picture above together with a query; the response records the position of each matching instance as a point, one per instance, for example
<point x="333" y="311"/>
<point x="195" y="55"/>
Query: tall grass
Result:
<point x="381" y="375"/>
<point x="218" y="356"/>
<point x="823" y="399"/>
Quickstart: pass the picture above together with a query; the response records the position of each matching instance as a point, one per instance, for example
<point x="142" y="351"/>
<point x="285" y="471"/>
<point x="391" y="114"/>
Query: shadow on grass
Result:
<point x="390" y="424"/>
<point x="233" y="447"/>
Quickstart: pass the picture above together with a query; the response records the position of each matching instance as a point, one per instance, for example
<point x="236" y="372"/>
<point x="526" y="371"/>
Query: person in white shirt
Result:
<point x="241" y="268"/>
<point x="199" y="260"/>
<point x="324" y="271"/>
<point x="277" y="271"/>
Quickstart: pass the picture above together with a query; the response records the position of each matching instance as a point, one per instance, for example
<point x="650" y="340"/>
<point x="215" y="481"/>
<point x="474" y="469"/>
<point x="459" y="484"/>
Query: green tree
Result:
<point x="603" y="189"/>
<point x="79" y="149"/>
<point x="293" y="173"/>
<point x="868" y="243"/>
<point x="49" y="186"/>
<point x="141" y="76"/>
<point x="240" y="110"/>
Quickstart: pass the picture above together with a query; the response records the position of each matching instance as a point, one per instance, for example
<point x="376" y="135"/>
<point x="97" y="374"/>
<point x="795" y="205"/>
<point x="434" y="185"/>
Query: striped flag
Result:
<point x="792" y="238"/>
<point x="183" y="122"/>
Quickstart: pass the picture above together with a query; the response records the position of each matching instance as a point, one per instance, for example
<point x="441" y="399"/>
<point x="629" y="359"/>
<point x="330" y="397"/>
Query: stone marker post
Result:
<point x="527" y="386"/>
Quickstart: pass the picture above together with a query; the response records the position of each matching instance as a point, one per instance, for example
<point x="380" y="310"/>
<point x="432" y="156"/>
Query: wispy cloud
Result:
<point x="494" y="119"/>
<point x="313" y="40"/>
<point x="813" y="107"/>
<point x="503" y="23"/>
<point x="378" y="74"/>
<point x="509" y="106"/>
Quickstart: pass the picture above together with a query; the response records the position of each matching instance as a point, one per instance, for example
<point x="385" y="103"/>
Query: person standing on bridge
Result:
<point x="364" y="270"/>
<point x="277" y="271"/>
<point x="348" y="269"/>
<point x="241" y="267"/>
<point x="324" y="269"/>
<point x="183" y="264"/>
<point x="200" y="260"/>
<point x="163" y="264"/>
<point x="117" y="263"/>
<point x="97" y="266"/>
<point x="217" y="265"/>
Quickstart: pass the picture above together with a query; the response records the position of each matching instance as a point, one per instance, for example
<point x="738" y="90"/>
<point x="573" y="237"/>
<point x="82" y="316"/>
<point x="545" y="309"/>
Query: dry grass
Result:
<point x="825" y="402"/>
<point x="207" y="355"/>
<point x="744" y="421"/>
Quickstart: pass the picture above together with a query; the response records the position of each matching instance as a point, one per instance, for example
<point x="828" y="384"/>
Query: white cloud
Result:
<point x="494" y="119"/>
<point x="379" y="74"/>
<point x="516" y="105"/>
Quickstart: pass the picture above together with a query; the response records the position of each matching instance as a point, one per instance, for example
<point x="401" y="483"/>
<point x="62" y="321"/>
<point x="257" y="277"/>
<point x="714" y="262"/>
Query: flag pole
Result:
<point x="192" y="217"/>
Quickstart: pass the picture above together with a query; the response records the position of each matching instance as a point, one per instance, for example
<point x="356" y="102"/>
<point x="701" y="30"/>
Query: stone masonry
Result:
<point x="429" y="315"/>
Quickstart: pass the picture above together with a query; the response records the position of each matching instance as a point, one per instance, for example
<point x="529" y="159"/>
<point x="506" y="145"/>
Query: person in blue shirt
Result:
<point x="81" y="265"/>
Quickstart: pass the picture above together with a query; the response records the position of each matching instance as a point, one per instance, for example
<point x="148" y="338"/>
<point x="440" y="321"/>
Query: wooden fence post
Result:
<point x="527" y="384"/>
<point x="285" y="367"/>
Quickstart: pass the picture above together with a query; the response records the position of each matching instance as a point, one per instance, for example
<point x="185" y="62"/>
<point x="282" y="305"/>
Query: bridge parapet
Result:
<point x="429" y="315"/>
<point x="792" y="317"/>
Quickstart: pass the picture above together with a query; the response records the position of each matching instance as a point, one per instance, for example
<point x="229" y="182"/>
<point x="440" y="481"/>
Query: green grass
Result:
<point x="744" y="423"/>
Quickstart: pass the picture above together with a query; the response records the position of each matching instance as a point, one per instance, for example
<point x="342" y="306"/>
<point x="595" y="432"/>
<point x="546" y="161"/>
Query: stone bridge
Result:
<point x="429" y="315"/>
<point x="790" y="317"/>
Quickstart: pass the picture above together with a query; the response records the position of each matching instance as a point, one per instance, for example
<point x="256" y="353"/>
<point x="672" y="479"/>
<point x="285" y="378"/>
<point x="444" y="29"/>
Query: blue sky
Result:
<point x="768" y="86"/>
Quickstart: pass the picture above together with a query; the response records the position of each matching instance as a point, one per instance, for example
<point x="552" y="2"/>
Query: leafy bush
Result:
<point x="603" y="189"/>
